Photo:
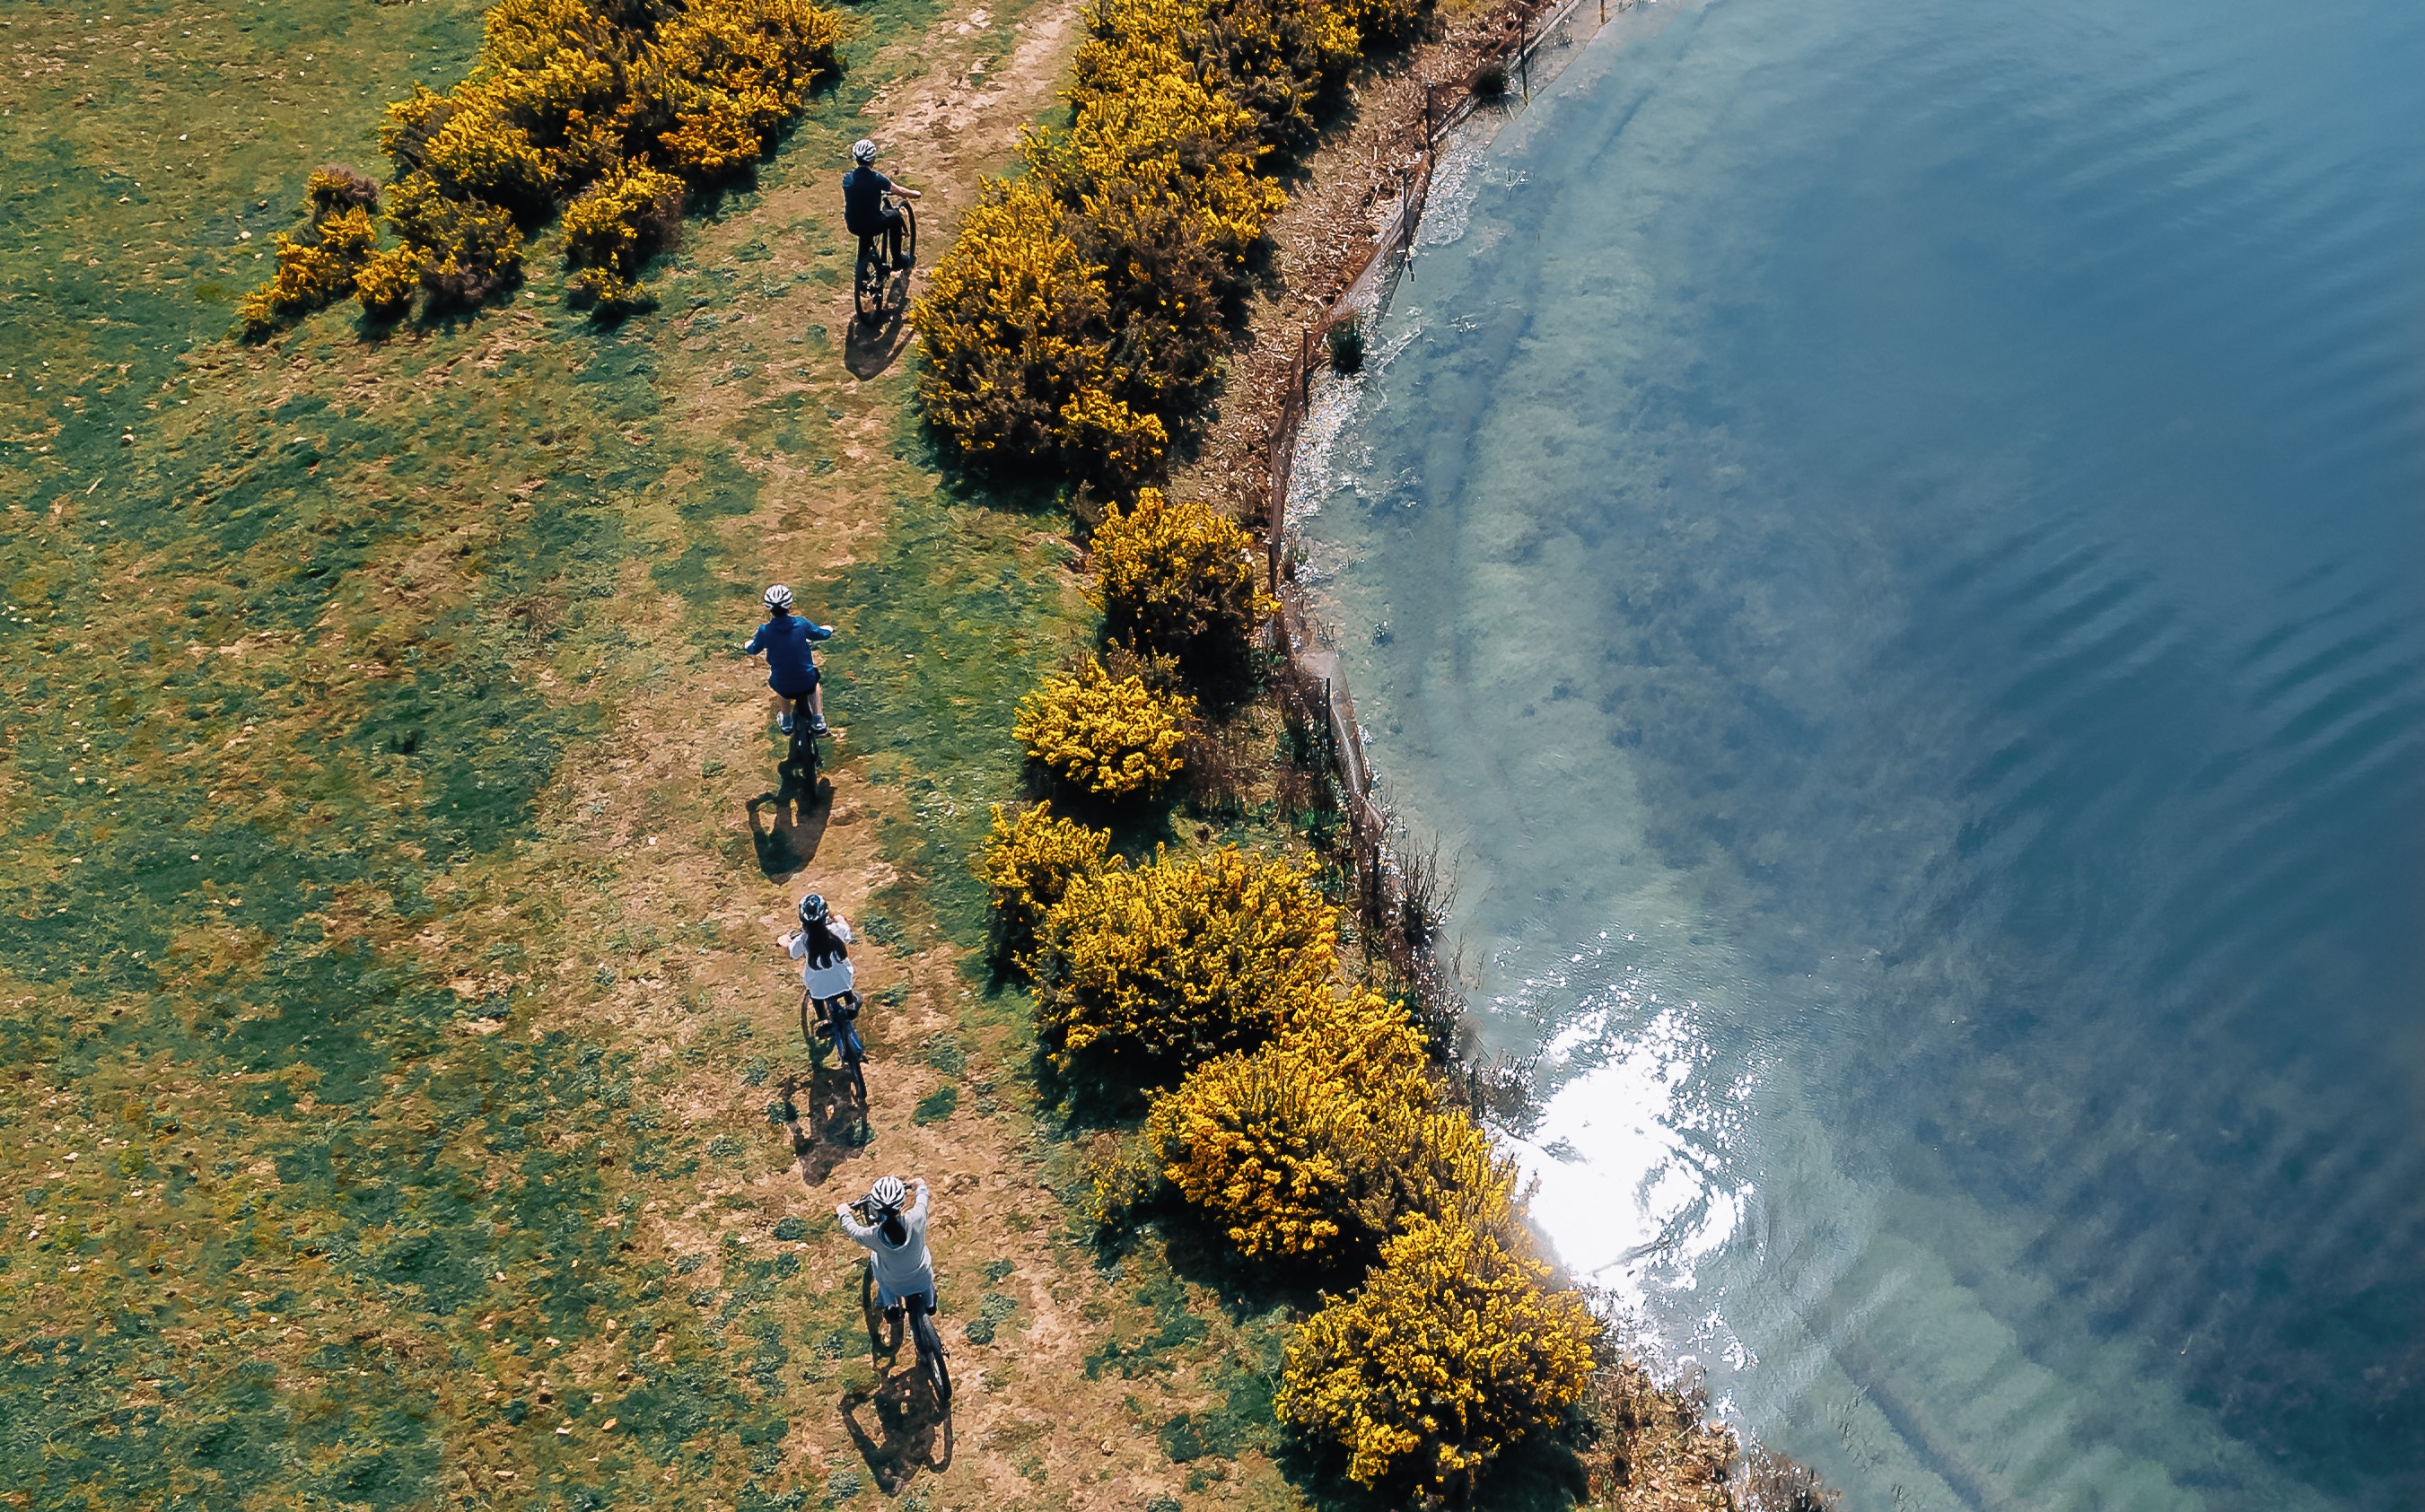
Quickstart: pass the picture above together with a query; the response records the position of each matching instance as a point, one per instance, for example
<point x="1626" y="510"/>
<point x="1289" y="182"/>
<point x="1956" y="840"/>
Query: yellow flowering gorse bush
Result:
<point x="1283" y="1146"/>
<point x="644" y="98"/>
<point x="1454" y="1348"/>
<point x="1028" y="863"/>
<point x="1321" y="1143"/>
<point x="1013" y="326"/>
<point x="1113" y="736"/>
<point x="1146" y="208"/>
<point x="1175" y="577"/>
<point x="1157" y="968"/>
<point x="312" y="273"/>
<point x="613" y="227"/>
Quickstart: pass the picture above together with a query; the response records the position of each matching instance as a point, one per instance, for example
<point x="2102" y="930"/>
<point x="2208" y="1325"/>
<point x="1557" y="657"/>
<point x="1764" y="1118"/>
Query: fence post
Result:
<point x="1330" y="733"/>
<point x="1276" y="527"/>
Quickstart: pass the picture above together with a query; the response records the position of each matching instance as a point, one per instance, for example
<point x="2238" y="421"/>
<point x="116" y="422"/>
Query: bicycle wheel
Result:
<point x="856" y="1069"/>
<point x="802" y="757"/>
<point x="930" y="1356"/>
<point x="908" y="233"/>
<point x="868" y="281"/>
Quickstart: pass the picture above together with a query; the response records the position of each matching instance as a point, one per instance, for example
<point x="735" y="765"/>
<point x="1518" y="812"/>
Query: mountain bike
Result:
<point x="800" y="760"/>
<point x="875" y="282"/>
<point x="838" y="1020"/>
<point x="931" y="1361"/>
<point x="932" y="1365"/>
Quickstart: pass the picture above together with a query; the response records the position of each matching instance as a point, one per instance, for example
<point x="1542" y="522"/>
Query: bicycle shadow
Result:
<point x="910" y="1420"/>
<point x="911" y="1434"/>
<point x="870" y="348"/>
<point x="835" y="1128"/>
<point x="788" y="838"/>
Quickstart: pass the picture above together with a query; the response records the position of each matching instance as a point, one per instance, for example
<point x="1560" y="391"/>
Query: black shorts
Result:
<point x="803" y="691"/>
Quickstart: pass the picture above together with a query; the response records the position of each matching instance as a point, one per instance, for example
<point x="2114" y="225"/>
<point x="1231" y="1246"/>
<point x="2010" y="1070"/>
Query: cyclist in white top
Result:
<point x="824" y="963"/>
<point x="897" y="1240"/>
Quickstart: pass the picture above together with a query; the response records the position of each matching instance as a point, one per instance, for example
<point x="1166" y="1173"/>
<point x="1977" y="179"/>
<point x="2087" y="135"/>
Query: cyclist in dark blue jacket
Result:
<point x="863" y="210"/>
<point x="790" y="667"/>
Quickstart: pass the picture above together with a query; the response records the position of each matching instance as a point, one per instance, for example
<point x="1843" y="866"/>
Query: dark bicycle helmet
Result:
<point x="812" y="910"/>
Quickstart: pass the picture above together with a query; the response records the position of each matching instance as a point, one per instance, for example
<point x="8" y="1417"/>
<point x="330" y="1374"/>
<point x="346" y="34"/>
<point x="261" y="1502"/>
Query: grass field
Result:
<point x="389" y="1021"/>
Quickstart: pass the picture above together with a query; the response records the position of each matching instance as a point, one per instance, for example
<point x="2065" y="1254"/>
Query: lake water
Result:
<point x="1886" y="537"/>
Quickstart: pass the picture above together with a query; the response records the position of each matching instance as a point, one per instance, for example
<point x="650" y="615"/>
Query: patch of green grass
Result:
<point x="298" y="923"/>
<point x="993" y="1310"/>
<point x="946" y="1054"/>
<point x="937" y="1105"/>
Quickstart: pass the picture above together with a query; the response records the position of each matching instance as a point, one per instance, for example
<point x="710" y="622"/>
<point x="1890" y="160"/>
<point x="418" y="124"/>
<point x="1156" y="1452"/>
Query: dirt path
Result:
<point x="1037" y="1420"/>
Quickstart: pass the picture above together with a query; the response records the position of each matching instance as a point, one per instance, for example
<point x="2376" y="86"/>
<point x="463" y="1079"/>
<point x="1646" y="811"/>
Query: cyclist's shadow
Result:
<point x="871" y="346"/>
<point x="794" y="826"/>
<point x="909" y="1434"/>
<point x="832" y="1126"/>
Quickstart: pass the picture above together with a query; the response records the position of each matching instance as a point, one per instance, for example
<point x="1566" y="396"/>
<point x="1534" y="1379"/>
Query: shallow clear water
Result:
<point x="1887" y="538"/>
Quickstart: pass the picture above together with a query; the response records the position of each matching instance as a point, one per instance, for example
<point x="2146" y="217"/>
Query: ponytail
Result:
<point x="824" y="949"/>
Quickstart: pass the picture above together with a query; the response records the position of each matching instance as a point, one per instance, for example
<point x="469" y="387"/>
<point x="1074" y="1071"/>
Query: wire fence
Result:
<point x="1446" y="104"/>
<point x="1318" y="682"/>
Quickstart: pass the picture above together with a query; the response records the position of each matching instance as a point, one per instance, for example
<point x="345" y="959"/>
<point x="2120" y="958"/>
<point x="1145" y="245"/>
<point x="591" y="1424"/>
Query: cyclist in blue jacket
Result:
<point x="863" y="210"/>
<point x="790" y="667"/>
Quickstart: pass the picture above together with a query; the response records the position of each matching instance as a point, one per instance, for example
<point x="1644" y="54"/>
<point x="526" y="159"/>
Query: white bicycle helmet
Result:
<point x="779" y="597"/>
<point x="887" y="1194"/>
<point x="863" y="149"/>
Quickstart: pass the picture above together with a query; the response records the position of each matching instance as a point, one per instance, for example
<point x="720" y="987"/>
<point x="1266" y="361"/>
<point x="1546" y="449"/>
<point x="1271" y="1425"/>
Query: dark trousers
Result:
<point x="890" y="231"/>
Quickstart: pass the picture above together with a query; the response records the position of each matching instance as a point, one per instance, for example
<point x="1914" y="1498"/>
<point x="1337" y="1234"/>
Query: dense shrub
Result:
<point x="333" y="188"/>
<point x="1177" y="578"/>
<point x="644" y="97"/>
<point x="386" y="281"/>
<point x="312" y="273"/>
<point x="1157" y="968"/>
<point x="615" y="226"/>
<point x="1115" y="737"/>
<point x="1274" y="58"/>
<point x="1014" y="327"/>
<point x="1323" y="1143"/>
<point x="1290" y="1147"/>
<point x="1109" y="444"/>
<point x="468" y="249"/>
<point x="1453" y="1350"/>
<point x="1028" y="863"/>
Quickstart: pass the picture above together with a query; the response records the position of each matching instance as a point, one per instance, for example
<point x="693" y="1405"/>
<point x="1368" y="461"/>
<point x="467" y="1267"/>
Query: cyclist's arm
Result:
<point x="840" y="927"/>
<point x="917" y="1215"/>
<point x="757" y="642"/>
<point x="818" y="631"/>
<point x="852" y="1227"/>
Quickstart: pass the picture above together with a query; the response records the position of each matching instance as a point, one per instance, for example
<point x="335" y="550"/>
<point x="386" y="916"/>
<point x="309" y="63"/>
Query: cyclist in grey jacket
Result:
<point x="897" y="1240"/>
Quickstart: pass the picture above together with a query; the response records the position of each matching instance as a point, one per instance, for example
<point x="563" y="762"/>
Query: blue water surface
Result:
<point x="1884" y="535"/>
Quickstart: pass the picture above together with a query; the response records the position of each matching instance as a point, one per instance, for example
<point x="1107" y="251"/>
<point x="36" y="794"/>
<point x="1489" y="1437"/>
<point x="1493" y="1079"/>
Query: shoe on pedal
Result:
<point x="783" y="723"/>
<point x="817" y="727"/>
